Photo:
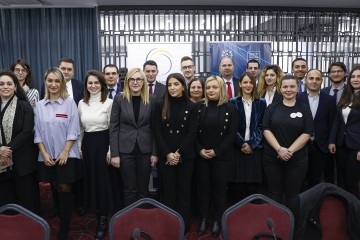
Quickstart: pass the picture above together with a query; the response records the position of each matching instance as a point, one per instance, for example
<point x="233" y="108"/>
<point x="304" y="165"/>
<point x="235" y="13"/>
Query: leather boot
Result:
<point x="216" y="229"/>
<point x="202" y="227"/>
<point x="101" y="227"/>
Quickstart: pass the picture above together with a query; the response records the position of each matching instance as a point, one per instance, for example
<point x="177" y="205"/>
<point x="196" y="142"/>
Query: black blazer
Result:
<point x="324" y="118"/>
<point x="176" y="134"/>
<point x="22" y="143"/>
<point x="78" y="90"/>
<point x="159" y="90"/>
<point x="326" y="90"/>
<point x="350" y="131"/>
<point x="277" y="97"/>
<point x="236" y="85"/>
<point x="222" y="137"/>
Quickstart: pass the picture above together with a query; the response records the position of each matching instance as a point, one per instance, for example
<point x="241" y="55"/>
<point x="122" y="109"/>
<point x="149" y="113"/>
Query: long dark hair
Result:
<point x="19" y="91"/>
<point x="25" y="65"/>
<point x="104" y="89"/>
<point x="166" y="108"/>
<point x="254" y="94"/>
<point x="349" y="96"/>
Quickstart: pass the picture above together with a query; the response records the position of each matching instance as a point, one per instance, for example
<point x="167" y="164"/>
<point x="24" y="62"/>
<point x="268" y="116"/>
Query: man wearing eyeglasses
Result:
<point x="337" y="75"/>
<point x="151" y="71"/>
<point x="187" y="68"/>
<point x="111" y="75"/>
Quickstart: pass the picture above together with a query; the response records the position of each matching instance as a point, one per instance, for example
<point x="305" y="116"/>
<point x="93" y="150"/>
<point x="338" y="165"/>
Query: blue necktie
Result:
<point x="335" y="94"/>
<point x="110" y="93"/>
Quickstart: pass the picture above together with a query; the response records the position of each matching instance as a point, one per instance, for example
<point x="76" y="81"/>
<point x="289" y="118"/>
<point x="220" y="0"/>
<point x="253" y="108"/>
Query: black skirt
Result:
<point x="64" y="174"/>
<point x="247" y="168"/>
<point x="98" y="189"/>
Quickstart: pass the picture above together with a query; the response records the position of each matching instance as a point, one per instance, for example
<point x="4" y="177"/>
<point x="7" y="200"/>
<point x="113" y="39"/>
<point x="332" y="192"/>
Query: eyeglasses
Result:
<point x="187" y="67"/>
<point x="20" y="70"/>
<point x="138" y="80"/>
<point x="338" y="72"/>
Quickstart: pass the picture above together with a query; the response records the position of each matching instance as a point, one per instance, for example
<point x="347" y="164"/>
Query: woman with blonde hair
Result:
<point x="269" y="84"/>
<point x="132" y="145"/>
<point x="218" y="123"/>
<point x="57" y="130"/>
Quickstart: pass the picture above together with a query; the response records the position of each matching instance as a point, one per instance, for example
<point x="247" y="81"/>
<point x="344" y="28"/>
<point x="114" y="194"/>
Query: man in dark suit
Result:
<point x="323" y="110"/>
<point x="111" y="74"/>
<point x="226" y="69"/>
<point x="337" y="75"/>
<point x="151" y="71"/>
<point x="299" y="68"/>
<point x="75" y="88"/>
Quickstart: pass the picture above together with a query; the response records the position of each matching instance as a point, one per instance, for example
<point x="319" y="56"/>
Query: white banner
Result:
<point x="166" y="55"/>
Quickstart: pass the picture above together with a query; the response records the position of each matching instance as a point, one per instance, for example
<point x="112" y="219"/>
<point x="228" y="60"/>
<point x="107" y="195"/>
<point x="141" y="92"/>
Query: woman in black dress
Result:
<point x="218" y="123"/>
<point x="175" y="133"/>
<point x="287" y="126"/>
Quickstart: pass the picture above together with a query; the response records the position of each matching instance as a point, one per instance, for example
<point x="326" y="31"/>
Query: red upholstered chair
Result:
<point x="246" y="219"/>
<point x="25" y="225"/>
<point x="333" y="219"/>
<point x="159" y="221"/>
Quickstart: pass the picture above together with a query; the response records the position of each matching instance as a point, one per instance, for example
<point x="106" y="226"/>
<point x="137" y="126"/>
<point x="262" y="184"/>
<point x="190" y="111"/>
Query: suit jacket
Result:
<point x="326" y="90"/>
<point x="119" y="89"/>
<point x="176" y="133"/>
<point x="78" y="90"/>
<point x="160" y="90"/>
<point x="24" y="153"/>
<point x="125" y="131"/>
<point x="222" y="137"/>
<point x="324" y="118"/>
<point x="258" y="107"/>
<point x="350" y="131"/>
<point x="236" y="85"/>
<point x="277" y="97"/>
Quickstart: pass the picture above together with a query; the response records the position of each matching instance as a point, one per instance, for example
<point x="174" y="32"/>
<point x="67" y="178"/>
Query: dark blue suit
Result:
<point x="346" y="136"/>
<point x="78" y="90"/>
<point x="318" y="148"/>
<point x="160" y="90"/>
<point x="236" y="85"/>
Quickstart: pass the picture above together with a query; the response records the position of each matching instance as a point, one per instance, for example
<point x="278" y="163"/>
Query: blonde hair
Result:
<point x="144" y="93"/>
<point x="262" y="88"/>
<point x="56" y="71"/>
<point x="223" y="96"/>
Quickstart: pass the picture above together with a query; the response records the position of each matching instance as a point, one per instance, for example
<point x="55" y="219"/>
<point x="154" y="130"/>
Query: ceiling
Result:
<point x="176" y="3"/>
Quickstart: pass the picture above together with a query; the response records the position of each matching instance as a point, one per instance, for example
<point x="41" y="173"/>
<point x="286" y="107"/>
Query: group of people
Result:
<point x="221" y="135"/>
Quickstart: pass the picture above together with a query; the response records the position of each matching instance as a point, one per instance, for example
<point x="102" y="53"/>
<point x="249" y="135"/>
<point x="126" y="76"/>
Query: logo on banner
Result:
<point x="254" y="55"/>
<point x="227" y="53"/>
<point x="163" y="58"/>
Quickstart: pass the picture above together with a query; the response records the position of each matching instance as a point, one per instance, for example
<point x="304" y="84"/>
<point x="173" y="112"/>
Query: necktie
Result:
<point x="151" y="88"/>
<point x="300" y="83"/>
<point x="335" y="94"/>
<point x="229" y="90"/>
<point x="110" y="93"/>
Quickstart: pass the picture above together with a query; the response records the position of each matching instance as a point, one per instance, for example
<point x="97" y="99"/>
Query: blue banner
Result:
<point x="241" y="53"/>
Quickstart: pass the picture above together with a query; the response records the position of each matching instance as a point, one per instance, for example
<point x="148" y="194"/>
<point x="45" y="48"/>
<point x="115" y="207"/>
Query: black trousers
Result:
<point x="135" y="173"/>
<point x="212" y="176"/>
<point x="23" y="191"/>
<point x="351" y="169"/>
<point x="285" y="177"/>
<point x="317" y="160"/>
<point x="177" y="187"/>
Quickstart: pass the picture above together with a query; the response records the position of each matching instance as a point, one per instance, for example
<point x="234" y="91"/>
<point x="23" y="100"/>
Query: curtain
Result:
<point x="43" y="36"/>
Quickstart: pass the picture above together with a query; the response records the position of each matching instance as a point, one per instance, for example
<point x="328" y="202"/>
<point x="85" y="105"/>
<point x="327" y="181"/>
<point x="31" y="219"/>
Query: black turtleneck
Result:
<point x="136" y="106"/>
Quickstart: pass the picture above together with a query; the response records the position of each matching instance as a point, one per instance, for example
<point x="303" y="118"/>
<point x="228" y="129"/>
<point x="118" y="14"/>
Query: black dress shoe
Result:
<point x="216" y="229"/>
<point x="101" y="227"/>
<point x="80" y="211"/>
<point x="202" y="227"/>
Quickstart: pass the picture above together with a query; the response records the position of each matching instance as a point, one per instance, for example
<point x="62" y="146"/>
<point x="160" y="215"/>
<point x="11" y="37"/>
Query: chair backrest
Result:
<point x="247" y="218"/>
<point x="160" y="222"/>
<point x="333" y="219"/>
<point x="24" y="225"/>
